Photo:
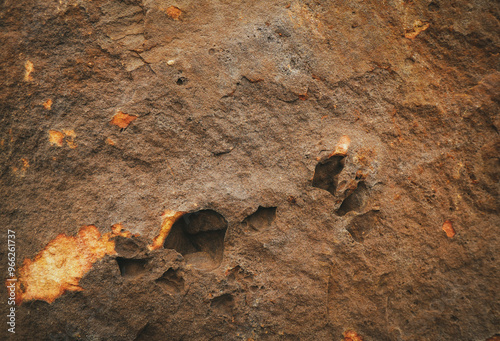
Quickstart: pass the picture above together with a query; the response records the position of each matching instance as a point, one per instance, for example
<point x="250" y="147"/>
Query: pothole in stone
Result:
<point x="199" y="237"/>
<point x="261" y="219"/>
<point x="181" y="80"/>
<point x="171" y="282"/>
<point x="327" y="172"/>
<point x="131" y="268"/>
<point x="354" y="201"/>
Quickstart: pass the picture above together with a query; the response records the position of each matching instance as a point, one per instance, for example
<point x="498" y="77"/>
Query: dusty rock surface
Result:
<point x="115" y="111"/>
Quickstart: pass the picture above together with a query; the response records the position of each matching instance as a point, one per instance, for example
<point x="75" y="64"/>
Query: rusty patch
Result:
<point x="56" y="138"/>
<point x="418" y="27"/>
<point x="29" y="68"/>
<point x="174" y="12"/>
<point x="122" y="119"/>
<point x="63" y="262"/>
<point x="351" y="335"/>
<point x="448" y="229"/>
<point x="47" y="104"/>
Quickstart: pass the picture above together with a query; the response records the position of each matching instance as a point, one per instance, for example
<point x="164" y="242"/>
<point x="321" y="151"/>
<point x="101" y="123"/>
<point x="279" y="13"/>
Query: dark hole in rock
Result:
<point x="361" y="225"/>
<point x="147" y="333"/>
<point x="131" y="267"/>
<point x="224" y="303"/>
<point x="433" y="6"/>
<point x="171" y="282"/>
<point x="327" y="172"/>
<point x="199" y="237"/>
<point x="261" y="219"/>
<point x="181" y="81"/>
<point x="355" y="201"/>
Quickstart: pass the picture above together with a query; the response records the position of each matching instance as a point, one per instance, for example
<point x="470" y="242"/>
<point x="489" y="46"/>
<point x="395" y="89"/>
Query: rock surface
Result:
<point x="115" y="111"/>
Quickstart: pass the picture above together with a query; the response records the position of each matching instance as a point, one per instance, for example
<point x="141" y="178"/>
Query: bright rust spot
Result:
<point x="448" y="229"/>
<point x="70" y="138"/>
<point x="351" y="335"/>
<point x="110" y="141"/>
<point x="29" y="68"/>
<point x="56" y="138"/>
<point x="122" y="119"/>
<point x="47" y="104"/>
<point x="174" y="12"/>
<point x="342" y="146"/>
<point x="418" y="27"/>
<point x="62" y="263"/>
<point x="169" y="218"/>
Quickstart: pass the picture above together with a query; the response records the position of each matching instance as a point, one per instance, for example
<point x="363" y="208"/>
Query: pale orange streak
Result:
<point x="62" y="263"/>
<point x="169" y="218"/>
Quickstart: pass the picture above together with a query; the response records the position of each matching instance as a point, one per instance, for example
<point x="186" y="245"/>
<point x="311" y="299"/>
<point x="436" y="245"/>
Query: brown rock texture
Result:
<point x="330" y="169"/>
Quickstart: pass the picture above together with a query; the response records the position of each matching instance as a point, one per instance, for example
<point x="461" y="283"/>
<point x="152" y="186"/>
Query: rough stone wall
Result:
<point x="231" y="110"/>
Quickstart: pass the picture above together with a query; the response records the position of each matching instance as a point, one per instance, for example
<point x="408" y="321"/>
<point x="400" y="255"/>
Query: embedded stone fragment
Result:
<point x="122" y="119"/>
<point x="448" y="229"/>
<point x="418" y="27"/>
<point x="342" y="146"/>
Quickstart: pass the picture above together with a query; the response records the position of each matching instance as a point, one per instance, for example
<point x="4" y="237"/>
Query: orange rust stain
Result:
<point x="418" y="27"/>
<point x="351" y="335"/>
<point x="303" y="97"/>
<point x="448" y="229"/>
<point x="29" y="69"/>
<point x="169" y="218"/>
<point x="62" y="263"/>
<point x="56" y="138"/>
<point x="122" y="119"/>
<point x="47" y="104"/>
<point x="342" y="146"/>
<point x="110" y="141"/>
<point x="174" y="12"/>
<point x="70" y="138"/>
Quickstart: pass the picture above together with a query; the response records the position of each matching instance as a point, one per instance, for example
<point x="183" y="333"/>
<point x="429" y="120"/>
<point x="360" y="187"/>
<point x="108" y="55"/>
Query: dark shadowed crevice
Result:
<point x="131" y="267"/>
<point x="327" y="172"/>
<point x="355" y="201"/>
<point x="199" y="237"/>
